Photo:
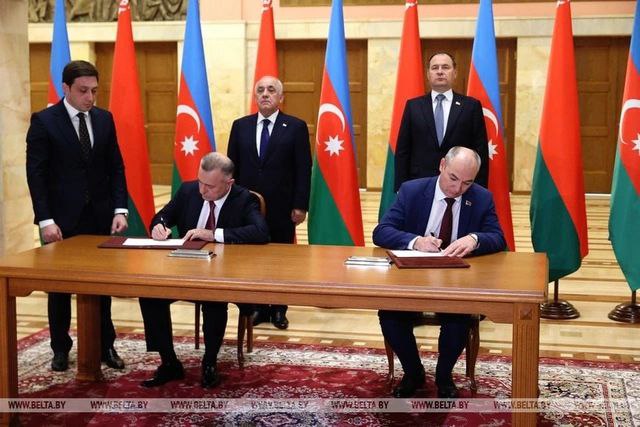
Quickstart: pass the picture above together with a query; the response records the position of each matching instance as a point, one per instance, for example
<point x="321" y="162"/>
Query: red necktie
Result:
<point x="447" y="223"/>
<point x="211" y="222"/>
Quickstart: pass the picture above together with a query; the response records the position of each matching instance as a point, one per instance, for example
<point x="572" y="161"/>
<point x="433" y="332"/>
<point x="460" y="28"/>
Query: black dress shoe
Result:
<point x="279" y="320"/>
<point x="409" y="385"/>
<point x="111" y="358"/>
<point x="60" y="362"/>
<point x="447" y="391"/>
<point x="164" y="374"/>
<point x="259" y="316"/>
<point x="210" y="376"/>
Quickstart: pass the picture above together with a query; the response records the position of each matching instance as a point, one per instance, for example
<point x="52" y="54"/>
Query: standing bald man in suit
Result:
<point x="271" y="152"/>
<point x="77" y="183"/>
<point x="434" y="123"/>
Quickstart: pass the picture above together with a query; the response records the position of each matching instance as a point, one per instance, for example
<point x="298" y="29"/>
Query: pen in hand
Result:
<point x="163" y="223"/>
<point x="434" y="236"/>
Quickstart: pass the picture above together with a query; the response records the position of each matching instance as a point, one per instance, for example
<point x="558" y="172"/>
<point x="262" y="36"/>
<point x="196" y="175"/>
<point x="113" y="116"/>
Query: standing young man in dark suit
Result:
<point x="77" y="183"/>
<point x="214" y="209"/>
<point x="418" y="214"/>
<point x="435" y="122"/>
<point x="272" y="156"/>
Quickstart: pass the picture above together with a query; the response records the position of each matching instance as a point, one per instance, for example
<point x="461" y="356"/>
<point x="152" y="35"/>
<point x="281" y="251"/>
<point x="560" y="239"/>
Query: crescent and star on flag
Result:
<point x="189" y="143"/>
<point x="334" y="143"/>
<point x="488" y="114"/>
<point x="628" y="105"/>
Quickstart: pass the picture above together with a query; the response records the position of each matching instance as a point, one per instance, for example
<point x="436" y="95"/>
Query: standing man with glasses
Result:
<point x="435" y="122"/>
<point x="272" y="156"/>
<point x="77" y="184"/>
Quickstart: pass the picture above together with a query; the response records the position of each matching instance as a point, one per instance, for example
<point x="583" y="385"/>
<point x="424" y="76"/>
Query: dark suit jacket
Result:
<point x="283" y="177"/>
<point x="417" y="151"/>
<point x="59" y="177"/>
<point x="409" y="215"/>
<point x="240" y="215"/>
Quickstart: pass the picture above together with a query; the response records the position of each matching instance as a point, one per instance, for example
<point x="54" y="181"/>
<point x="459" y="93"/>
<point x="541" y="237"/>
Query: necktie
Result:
<point x="438" y="115"/>
<point x="264" y="138"/>
<point x="211" y="222"/>
<point x="447" y="223"/>
<point x="83" y="136"/>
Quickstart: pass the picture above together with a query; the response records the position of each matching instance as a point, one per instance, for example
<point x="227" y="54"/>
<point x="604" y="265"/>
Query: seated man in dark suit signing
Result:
<point x="212" y="208"/>
<point x="462" y="215"/>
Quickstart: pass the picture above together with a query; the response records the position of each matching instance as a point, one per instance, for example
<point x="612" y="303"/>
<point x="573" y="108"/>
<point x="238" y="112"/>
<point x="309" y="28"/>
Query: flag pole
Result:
<point x="558" y="308"/>
<point x="628" y="312"/>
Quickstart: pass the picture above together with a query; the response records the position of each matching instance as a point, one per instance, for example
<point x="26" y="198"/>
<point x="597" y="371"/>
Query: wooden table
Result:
<point x="506" y="287"/>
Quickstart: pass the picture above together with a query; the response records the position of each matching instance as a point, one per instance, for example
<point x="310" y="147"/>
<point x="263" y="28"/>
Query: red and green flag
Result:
<point x="267" y="57"/>
<point x="126" y="106"/>
<point x="624" y="221"/>
<point x="558" y="214"/>
<point x="409" y="84"/>
<point x="335" y="217"/>
<point x="194" y="125"/>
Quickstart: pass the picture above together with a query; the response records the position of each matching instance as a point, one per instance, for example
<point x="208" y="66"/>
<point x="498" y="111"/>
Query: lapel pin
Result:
<point x="457" y="102"/>
<point x="468" y="203"/>
<point x="284" y="125"/>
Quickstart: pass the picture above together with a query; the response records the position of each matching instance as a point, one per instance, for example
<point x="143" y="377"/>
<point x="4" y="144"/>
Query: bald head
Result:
<point x="458" y="169"/>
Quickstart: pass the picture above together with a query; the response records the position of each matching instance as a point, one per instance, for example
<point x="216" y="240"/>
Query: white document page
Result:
<point x="151" y="242"/>
<point x="414" y="254"/>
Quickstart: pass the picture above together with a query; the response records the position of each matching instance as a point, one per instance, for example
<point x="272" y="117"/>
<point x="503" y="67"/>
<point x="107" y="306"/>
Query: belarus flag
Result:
<point x="126" y="107"/>
<point x="558" y="215"/>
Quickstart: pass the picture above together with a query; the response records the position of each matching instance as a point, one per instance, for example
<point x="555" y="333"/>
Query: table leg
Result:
<point x="88" y="338"/>
<point x="8" y="350"/>
<point x="526" y="348"/>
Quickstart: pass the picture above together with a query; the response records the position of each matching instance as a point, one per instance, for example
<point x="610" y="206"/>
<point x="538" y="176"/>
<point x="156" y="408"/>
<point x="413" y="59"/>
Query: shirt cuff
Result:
<point x="46" y="222"/>
<point x="218" y="235"/>
<point x="121" y="211"/>
<point x="412" y="242"/>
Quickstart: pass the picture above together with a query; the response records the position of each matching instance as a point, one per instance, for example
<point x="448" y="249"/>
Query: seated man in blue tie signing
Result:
<point x="449" y="213"/>
<point x="213" y="209"/>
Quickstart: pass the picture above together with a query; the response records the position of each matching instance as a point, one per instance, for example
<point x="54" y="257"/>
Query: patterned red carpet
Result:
<point x="280" y="371"/>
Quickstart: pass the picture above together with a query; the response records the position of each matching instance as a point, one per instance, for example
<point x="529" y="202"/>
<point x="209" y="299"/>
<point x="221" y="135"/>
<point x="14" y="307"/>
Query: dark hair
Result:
<point x="75" y="69"/>
<point x="453" y="60"/>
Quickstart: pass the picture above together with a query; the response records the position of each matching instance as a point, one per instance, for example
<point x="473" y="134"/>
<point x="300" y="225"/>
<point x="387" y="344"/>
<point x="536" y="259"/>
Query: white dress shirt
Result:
<point x="218" y="233"/>
<point x="272" y="120"/>
<point x="446" y="107"/>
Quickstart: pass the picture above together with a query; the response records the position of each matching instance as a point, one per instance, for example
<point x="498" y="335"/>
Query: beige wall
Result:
<point x="16" y="216"/>
<point x="230" y="31"/>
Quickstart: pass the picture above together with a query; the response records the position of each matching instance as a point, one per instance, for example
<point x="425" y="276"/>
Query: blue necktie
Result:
<point x="264" y="138"/>
<point x="438" y="115"/>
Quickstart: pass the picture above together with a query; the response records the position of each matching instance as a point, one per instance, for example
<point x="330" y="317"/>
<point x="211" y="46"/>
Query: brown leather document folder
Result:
<point x="428" y="262"/>
<point x="117" y="242"/>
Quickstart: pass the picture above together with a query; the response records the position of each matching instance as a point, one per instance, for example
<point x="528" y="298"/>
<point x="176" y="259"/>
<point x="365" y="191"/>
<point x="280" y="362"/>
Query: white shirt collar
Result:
<point x="71" y="110"/>
<point x="221" y="200"/>
<point x="448" y="95"/>
<point x="272" y="118"/>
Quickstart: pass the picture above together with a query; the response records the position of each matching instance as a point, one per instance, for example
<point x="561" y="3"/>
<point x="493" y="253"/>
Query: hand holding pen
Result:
<point x="160" y="231"/>
<point x="436" y="242"/>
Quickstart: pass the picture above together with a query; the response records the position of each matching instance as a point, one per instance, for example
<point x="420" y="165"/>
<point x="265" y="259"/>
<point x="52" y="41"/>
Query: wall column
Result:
<point x="16" y="214"/>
